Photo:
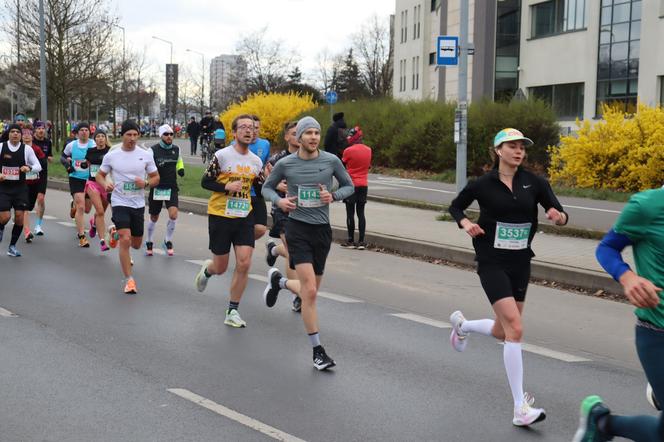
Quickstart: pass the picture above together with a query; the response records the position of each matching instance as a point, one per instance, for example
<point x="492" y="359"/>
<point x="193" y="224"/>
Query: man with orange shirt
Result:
<point x="357" y="159"/>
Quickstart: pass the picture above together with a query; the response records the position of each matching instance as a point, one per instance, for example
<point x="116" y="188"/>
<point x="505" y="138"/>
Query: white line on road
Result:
<point x="422" y="320"/>
<point x="415" y="187"/>
<point x="7" y="313"/>
<point x="66" y="224"/>
<point x="591" y="208"/>
<point x="47" y="217"/>
<point x="197" y="262"/>
<point x="234" y="415"/>
<point x="322" y="294"/>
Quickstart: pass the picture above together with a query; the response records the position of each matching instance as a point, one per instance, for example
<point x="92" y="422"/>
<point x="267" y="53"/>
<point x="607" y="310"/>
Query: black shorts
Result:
<point x="308" y="243"/>
<point x="33" y="191"/>
<point x="279" y="220"/>
<point x="359" y="196"/>
<point x="129" y="218"/>
<point x="226" y="231"/>
<point x="76" y="185"/>
<point x="13" y="197"/>
<point x="156" y="206"/>
<point x="259" y="210"/>
<point x="504" y="280"/>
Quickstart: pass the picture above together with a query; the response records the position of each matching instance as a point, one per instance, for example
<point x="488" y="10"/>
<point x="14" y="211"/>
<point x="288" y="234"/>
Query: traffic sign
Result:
<point x="447" y="50"/>
<point x="331" y="97"/>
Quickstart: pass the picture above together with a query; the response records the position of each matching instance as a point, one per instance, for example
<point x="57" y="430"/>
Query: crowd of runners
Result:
<point x="301" y="182"/>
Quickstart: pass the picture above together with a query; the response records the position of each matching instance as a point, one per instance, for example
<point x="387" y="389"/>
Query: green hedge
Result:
<point x="420" y="135"/>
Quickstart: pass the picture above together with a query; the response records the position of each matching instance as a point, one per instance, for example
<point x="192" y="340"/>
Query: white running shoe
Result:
<point x="200" y="281"/>
<point x="458" y="338"/>
<point x="526" y="414"/>
<point x="233" y="319"/>
<point x="38" y="230"/>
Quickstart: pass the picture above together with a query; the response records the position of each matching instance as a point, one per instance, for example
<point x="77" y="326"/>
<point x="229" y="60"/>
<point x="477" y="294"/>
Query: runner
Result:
<point x="97" y="194"/>
<point x="640" y="225"/>
<point x="508" y="196"/>
<point x="169" y="162"/>
<point x="357" y="159"/>
<point x="128" y="166"/>
<point x="230" y="176"/>
<point x="260" y="147"/>
<point x="73" y="158"/>
<point x="41" y="140"/>
<point x="16" y="160"/>
<point x="34" y="182"/>
<point x="308" y="232"/>
<point x="278" y="230"/>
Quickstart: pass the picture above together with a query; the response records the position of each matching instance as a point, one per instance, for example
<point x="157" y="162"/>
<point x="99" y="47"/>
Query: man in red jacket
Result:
<point x="357" y="159"/>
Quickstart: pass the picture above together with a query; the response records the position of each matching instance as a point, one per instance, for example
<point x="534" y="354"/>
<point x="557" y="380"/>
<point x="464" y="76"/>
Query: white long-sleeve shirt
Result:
<point x="30" y="157"/>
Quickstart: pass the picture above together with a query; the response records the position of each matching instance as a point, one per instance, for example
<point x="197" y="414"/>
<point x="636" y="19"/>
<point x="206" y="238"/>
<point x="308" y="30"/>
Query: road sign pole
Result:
<point x="462" y="109"/>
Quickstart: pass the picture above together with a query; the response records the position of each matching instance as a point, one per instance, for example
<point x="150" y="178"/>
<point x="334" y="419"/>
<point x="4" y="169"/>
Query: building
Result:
<point x="575" y="54"/>
<point x="225" y="71"/>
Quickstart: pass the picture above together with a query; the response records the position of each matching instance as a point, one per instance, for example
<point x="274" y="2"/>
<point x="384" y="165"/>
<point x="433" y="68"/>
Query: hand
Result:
<point x="109" y="186"/>
<point x="181" y="172"/>
<point x="25" y="169"/>
<point x="2" y="177"/>
<point x="50" y="159"/>
<point x="282" y="186"/>
<point x="140" y="183"/>
<point x="639" y="291"/>
<point x="287" y="204"/>
<point x="268" y="169"/>
<point x="325" y="196"/>
<point x="554" y="215"/>
<point x="471" y="228"/>
<point x="234" y="186"/>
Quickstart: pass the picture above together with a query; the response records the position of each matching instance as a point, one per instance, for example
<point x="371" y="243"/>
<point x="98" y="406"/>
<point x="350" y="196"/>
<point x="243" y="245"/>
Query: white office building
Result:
<point x="224" y="72"/>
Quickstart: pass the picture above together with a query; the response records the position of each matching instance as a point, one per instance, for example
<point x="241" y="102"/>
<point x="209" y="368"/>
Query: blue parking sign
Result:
<point x="447" y="51"/>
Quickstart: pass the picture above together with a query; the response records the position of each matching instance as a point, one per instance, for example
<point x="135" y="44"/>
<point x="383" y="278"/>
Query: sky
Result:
<point x="213" y="27"/>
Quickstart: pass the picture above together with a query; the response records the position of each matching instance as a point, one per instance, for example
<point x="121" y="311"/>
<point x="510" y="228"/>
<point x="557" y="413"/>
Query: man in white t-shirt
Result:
<point x="128" y="167"/>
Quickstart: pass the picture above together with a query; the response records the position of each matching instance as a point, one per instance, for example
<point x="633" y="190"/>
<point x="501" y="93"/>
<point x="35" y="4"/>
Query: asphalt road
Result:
<point x="82" y="361"/>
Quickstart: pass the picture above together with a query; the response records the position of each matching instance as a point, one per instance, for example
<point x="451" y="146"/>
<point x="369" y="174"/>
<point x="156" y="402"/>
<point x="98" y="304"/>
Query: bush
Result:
<point x="273" y="109"/>
<point x="621" y="152"/>
<point x="420" y="135"/>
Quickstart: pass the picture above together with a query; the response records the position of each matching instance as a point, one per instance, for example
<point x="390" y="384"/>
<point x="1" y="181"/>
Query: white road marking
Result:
<point x="247" y="421"/>
<point x="565" y="357"/>
<point x="66" y="224"/>
<point x="322" y="294"/>
<point x="591" y="208"/>
<point x="50" y="217"/>
<point x="7" y="313"/>
<point x="414" y="187"/>
<point x="196" y="262"/>
<point x="422" y="320"/>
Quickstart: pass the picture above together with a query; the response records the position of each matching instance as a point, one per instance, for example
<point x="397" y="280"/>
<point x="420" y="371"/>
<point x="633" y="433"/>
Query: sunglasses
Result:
<point x="168" y="134"/>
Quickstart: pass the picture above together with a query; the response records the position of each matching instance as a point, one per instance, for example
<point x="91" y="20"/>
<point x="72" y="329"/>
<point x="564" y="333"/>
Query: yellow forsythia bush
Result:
<point x="273" y="109"/>
<point x="621" y="152"/>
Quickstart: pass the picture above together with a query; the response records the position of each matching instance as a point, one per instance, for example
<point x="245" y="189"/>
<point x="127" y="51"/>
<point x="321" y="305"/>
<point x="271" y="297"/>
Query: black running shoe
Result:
<point x="149" y="245"/>
<point x="321" y="360"/>
<point x="272" y="289"/>
<point x="297" y="304"/>
<point x="269" y="245"/>
<point x="361" y="245"/>
<point x="348" y="245"/>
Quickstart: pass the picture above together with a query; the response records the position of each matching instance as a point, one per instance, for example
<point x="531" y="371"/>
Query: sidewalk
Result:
<point x="416" y="232"/>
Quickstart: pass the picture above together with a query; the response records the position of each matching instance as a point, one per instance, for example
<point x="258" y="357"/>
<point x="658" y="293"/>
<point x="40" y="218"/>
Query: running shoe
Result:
<point x="458" y="338"/>
<point x="93" y="228"/>
<point x="38" y="230"/>
<point x="83" y="241"/>
<point x="130" y="287"/>
<point x="29" y="237"/>
<point x="103" y="246"/>
<point x="168" y="248"/>
<point x="200" y="281"/>
<point x="233" y="319"/>
<point x="272" y="289"/>
<point x="592" y="409"/>
<point x="13" y="251"/>
<point x="526" y="415"/>
<point x="321" y="360"/>
<point x="72" y="210"/>
<point x="269" y="245"/>
<point x="297" y="304"/>
<point x="348" y="245"/>
<point x="361" y="245"/>
<point x="113" y="237"/>
<point x="148" y="248"/>
<point x="652" y="400"/>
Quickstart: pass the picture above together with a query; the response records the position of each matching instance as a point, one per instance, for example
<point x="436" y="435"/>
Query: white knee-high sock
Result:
<point x="481" y="326"/>
<point x="151" y="226"/>
<point x="170" y="229"/>
<point x="513" y="359"/>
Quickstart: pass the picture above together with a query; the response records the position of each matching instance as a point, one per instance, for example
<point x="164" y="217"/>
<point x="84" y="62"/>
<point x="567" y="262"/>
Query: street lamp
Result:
<point x="165" y="91"/>
<point x="124" y="76"/>
<point x="202" y="79"/>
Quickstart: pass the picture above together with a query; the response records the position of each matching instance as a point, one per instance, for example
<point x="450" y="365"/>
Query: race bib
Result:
<point x="308" y="196"/>
<point x="94" y="168"/>
<point x="11" y="173"/>
<point x="512" y="236"/>
<point x="32" y="176"/>
<point x="130" y="188"/>
<point x="161" y="194"/>
<point x="238" y="207"/>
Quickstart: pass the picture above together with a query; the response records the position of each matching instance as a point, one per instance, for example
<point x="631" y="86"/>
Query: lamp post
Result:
<point x="165" y="92"/>
<point x="202" y="78"/>
<point x="124" y="76"/>
<point x="42" y="64"/>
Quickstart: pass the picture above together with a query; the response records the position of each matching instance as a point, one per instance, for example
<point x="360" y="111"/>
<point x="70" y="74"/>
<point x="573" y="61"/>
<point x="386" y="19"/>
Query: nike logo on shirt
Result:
<point x="525" y="187"/>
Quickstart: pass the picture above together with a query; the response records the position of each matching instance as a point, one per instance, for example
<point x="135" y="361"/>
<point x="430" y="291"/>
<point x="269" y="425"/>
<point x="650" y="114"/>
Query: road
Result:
<point x="82" y="361"/>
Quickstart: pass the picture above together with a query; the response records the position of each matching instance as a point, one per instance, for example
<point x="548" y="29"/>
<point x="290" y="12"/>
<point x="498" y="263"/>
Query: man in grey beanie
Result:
<point x="308" y="174"/>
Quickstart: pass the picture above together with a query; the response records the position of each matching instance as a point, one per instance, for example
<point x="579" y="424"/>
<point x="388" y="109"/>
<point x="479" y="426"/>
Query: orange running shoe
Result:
<point x="113" y="237"/>
<point x="83" y="241"/>
<point x="130" y="287"/>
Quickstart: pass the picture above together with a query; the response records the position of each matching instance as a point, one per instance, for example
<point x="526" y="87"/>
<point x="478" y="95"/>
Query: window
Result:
<point x="402" y="75"/>
<point x="415" y="20"/>
<point x="565" y="99"/>
<point x="419" y="19"/>
<point x="417" y="75"/>
<point x="412" y="84"/>
<point x="507" y="49"/>
<point x="405" y="26"/>
<point x="432" y="58"/>
<point x="436" y="3"/>
<point x="661" y="90"/>
<point x="557" y="16"/>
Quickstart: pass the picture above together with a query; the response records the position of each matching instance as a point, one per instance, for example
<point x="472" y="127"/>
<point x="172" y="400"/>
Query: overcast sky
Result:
<point x="214" y="26"/>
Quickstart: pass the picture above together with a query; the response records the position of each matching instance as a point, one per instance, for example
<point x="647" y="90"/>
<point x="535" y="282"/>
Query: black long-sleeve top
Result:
<point x="500" y="205"/>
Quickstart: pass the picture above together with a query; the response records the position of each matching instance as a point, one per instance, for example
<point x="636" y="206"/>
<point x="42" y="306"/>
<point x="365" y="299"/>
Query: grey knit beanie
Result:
<point x="304" y="124"/>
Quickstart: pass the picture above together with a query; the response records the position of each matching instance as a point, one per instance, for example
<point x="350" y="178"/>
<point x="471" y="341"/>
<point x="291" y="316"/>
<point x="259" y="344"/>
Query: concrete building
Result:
<point x="224" y="72"/>
<point x="575" y="54"/>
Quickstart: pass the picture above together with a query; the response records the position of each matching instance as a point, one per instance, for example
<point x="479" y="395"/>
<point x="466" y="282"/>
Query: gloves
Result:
<point x="181" y="172"/>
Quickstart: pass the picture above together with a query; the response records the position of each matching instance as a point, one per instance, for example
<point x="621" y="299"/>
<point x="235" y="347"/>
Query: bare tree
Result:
<point x="374" y="53"/>
<point x="328" y="68"/>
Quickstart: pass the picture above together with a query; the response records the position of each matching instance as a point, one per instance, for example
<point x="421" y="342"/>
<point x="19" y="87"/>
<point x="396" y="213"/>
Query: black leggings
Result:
<point x="351" y="207"/>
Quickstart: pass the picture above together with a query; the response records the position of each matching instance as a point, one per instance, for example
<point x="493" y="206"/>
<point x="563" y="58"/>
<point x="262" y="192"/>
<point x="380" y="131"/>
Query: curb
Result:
<point x="587" y="279"/>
